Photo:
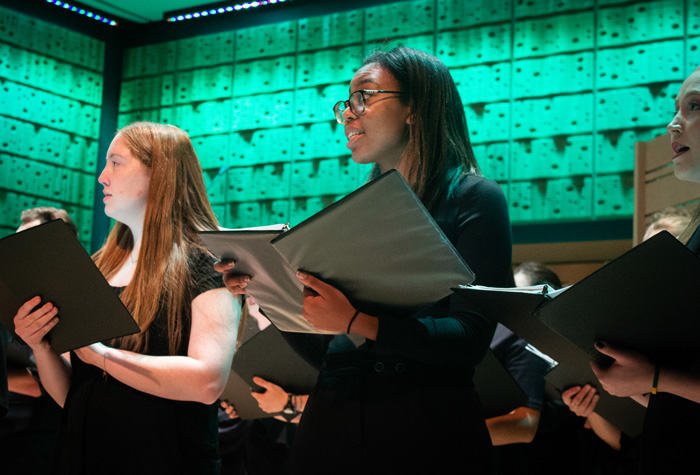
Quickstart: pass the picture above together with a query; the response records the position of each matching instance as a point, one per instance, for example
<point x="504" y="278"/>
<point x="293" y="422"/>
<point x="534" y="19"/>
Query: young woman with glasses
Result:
<point x="403" y="401"/>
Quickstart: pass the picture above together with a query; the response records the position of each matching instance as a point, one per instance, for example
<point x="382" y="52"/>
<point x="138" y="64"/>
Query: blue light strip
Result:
<point x="229" y="9"/>
<point x="83" y="12"/>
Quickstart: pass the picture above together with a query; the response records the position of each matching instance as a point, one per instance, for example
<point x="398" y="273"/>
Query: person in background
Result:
<point x="145" y="403"/>
<point x="28" y="433"/>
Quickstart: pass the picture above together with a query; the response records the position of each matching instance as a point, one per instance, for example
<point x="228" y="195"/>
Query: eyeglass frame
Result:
<point x="348" y="103"/>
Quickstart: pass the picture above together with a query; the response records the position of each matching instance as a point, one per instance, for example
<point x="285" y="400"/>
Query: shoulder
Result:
<point x="203" y="275"/>
<point x="478" y="188"/>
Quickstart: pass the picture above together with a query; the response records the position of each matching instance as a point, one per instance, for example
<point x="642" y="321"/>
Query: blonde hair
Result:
<point x="177" y="207"/>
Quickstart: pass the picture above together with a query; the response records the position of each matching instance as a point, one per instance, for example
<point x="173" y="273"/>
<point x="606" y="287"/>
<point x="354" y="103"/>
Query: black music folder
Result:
<point x="378" y="245"/>
<point x="269" y="356"/>
<point x="48" y="261"/>
<point x="498" y="391"/>
<point x="642" y="301"/>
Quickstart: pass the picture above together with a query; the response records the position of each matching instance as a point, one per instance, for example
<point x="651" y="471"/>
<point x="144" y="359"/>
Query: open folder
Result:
<point x="48" y="261"/>
<point x="643" y="300"/>
<point x="378" y="245"/>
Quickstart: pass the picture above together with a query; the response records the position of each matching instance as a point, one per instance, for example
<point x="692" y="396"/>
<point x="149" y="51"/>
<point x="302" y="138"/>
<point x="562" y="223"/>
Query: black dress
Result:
<point x="405" y="403"/>
<point x="108" y="427"/>
<point x="671" y="433"/>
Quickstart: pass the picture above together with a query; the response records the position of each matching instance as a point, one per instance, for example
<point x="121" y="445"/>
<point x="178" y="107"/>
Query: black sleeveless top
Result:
<point x="109" y="427"/>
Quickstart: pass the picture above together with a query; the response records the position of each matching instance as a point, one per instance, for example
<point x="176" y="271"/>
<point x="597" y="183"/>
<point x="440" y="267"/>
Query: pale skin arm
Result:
<point x="201" y="375"/>
<point x="632" y="374"/>
<point x="582" y="401"/>
<point x="518" y="426"/>
<point x="32" y="324"/>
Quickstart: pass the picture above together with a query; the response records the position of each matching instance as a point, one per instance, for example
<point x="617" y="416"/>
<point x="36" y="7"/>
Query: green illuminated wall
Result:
<point x="556" y="94"/>
<point x="50" y="97"/>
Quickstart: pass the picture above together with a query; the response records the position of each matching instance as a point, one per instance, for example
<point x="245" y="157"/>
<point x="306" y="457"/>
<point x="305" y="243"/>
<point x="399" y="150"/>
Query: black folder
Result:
<point x="378" y="245"/>
<point x="48" y="261"/>
<point x="643" y="300"/>
<point x="498" y="391"/>
<point x="269" y="356"/>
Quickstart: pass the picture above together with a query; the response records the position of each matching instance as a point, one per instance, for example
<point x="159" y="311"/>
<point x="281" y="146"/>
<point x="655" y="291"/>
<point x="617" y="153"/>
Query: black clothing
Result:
<point x="405" y="403"/>
<point x="670" y="434"/>
<point x="109" y="427"/>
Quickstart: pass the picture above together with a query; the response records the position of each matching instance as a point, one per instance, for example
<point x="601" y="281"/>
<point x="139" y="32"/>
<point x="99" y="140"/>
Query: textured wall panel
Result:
<point x="693" y="17"/>
<point x="212" y="150"/>
<point x="640" y="22"/>
<point x="640" y="64"/>
<point x="478" y="84"/>
<point x="493" y="160"/>
<point x="692" y="55"/>
<point x="458" y="13"/>
<point x="635" y="107"/>
<point x="615" y="150"/>
<point x="264" y="76"/>
<point x="422" y="42"/>
<point x="200" y="119"/>
<point x="50" y="40"/>
<point x="399" y="19"/>
<point x="148" y="60"/>
<point x="328" y="66"/>
<point x="552" y="158"/>
<point x="204" y="84"/>
<point x="26" y="103"/>
<point x="316" y="104"/>
<point x="330" y="31"/>
<point x="320" y="140"/>
<point x="32" y="69"/>
<point x="524" y="8"/>
<point x="488" y="123"/>
<point x="210" y="50"/>
<point x="263" y="111"/>
<point x="614" y="196"/>
<point x="560" y="115"/>
<point x="559" y="74"/>
<point x="147" y="92"/>
<point x="553" y="35"/>
<point x="266" y="40"/>
<point x="474" y="46"/>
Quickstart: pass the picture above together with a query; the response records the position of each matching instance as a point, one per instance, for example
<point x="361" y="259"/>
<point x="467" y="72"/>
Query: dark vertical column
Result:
<point x="108" y="125"/>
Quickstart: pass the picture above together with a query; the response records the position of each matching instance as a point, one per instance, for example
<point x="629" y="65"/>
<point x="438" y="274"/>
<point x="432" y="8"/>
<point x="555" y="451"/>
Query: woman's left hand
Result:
<point x="325" y="307"/>
<point x="92" y="354"/>
<point x="631" y="374"/>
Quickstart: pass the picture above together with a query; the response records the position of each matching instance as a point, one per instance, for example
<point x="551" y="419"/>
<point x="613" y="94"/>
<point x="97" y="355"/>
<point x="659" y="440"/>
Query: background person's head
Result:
<point x="36" y="216"/>
<point x="535" y="273"/>
<point x="673" y="220"/>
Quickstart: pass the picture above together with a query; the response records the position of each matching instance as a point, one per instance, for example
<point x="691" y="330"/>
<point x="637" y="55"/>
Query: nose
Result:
<point x="674" y="127"/>
<point x="103" y="179"/>
<point x="348" y="114"/>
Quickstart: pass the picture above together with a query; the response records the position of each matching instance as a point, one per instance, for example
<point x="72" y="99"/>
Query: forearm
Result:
<point x="519" y="426"/>
<point x="179" y="378"/>
<point x="21" y="381"/>
<point x="55" y="374"/>
<point x="607" y="432"/>
<point x="680" y="383"/>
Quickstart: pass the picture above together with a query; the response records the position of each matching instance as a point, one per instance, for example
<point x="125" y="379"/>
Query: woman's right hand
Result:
<point x="235" y="283"/>
<point x="229" y="409"/>
<point x="581" y="400"/>
<point x="32" y="323"/>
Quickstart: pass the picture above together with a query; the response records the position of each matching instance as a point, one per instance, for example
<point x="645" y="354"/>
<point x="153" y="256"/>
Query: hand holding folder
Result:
<point x="48" y="261"/>
<point x="379" y="246"/>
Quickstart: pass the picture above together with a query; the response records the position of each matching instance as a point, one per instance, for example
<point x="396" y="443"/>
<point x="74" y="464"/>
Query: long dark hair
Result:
<point x="438" y="135"/>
